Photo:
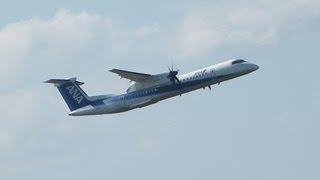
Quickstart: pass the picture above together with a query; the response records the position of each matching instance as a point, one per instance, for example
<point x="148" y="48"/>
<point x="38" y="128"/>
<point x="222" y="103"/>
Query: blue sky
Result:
<point x="261" y="126"/>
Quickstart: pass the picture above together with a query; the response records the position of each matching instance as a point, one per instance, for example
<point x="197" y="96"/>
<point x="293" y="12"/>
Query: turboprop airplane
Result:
<point x="147" y="89"/>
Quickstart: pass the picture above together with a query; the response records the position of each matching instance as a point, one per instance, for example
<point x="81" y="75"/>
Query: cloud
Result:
<point x="64" y="40"/>
<point x="72" y="40"/>
<point x="207" y="29"/>
<point x="248" y="24"/>
<point x="14" y="46"/>
<point x="21" y="42"/>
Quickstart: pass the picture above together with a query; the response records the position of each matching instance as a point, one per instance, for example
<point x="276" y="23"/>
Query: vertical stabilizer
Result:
<point x="71" y="92"/>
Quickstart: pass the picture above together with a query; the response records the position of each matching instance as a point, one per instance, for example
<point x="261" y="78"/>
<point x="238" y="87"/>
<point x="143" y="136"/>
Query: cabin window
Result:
<point x="238" y="61"/>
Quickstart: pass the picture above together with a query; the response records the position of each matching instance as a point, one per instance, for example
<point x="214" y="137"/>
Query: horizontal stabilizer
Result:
<point x="63" y="81"/>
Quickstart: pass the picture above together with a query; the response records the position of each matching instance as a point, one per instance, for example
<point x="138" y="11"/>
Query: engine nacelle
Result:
<point x="154" y="81"/>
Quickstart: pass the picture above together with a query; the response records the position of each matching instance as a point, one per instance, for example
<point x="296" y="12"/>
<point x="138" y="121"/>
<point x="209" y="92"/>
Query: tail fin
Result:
<point x="71" y="92"/>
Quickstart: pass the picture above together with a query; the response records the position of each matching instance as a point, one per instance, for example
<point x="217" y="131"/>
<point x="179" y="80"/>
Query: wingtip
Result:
<point x="114" y="70"/>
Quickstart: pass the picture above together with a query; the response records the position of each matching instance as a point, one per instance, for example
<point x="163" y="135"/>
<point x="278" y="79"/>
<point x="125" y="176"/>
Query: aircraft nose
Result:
<point x="255" y="67"/>
<point x="252" y="67"/>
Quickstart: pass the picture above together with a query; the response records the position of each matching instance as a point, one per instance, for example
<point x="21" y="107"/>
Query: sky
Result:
<point x="264" y="125"/>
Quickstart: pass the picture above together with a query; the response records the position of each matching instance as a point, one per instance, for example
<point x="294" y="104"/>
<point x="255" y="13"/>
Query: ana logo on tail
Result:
<point x="76" y="95"/>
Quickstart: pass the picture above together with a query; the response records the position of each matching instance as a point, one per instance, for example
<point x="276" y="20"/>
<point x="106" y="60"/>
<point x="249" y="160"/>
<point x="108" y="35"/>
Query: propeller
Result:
<point x="173" y="75"/>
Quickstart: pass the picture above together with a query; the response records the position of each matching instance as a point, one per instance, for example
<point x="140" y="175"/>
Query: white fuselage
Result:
<point x="188" y="82"/>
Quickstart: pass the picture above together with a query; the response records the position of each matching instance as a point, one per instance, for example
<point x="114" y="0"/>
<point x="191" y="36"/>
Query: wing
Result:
<point x="133" y="76"/>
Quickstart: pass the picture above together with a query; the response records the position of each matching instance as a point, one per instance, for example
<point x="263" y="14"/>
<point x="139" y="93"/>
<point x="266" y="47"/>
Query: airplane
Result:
<point x="147" y="89"/>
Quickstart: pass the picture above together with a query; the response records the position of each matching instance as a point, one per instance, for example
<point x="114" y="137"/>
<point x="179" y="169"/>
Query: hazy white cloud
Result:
<point x="209" y="28"/>
<point x="247" y="24"/>
<point x="21" y="42"/>
<point x="48" y="43"/>
<point x="15" y="41"/>
<point x="67" y="37"/>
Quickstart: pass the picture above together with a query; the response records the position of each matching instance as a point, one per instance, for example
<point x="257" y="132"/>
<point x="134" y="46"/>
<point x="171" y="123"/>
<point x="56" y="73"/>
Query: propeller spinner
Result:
<point x="173" y="75"/>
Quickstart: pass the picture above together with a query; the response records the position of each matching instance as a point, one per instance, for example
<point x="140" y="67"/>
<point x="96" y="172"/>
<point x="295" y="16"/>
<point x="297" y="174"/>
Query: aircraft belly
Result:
<point x="140" y="102"/>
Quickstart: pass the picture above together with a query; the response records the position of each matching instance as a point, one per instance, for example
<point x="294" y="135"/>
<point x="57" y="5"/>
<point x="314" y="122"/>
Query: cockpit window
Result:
<point x="238" y="61"/>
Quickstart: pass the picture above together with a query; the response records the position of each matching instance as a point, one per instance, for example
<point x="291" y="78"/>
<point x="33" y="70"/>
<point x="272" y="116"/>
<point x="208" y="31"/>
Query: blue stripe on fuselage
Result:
<point x="156" y="90"/>
<point x="161" y="90"/>
<point x="167" y="89"/>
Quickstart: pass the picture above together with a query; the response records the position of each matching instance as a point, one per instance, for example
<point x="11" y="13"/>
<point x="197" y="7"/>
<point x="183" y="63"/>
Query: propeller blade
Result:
<point x="173" y="81"/>
<point x="172" y="68"/>
<point x="173" y="74"/>
<point x="176" y="78"/>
